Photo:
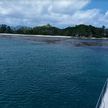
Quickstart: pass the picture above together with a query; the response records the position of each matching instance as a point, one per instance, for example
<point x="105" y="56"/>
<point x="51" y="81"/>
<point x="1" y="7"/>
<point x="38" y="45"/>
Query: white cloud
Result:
<point x="57" y="12"/>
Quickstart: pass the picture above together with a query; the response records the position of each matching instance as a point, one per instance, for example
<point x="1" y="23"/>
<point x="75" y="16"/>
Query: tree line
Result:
<point x="75" y="31"/>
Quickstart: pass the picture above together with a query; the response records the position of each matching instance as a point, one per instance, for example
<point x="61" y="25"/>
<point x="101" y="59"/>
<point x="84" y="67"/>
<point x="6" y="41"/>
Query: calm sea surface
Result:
<point x="51" y="72"/>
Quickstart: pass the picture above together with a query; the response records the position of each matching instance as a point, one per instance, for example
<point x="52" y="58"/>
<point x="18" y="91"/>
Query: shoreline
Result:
<point x="28" y="35"/>
<point x="51" y="36"/>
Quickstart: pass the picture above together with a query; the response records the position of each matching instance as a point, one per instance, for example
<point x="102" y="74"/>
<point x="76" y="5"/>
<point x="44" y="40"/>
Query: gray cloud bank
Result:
<point x="58" y="13"/>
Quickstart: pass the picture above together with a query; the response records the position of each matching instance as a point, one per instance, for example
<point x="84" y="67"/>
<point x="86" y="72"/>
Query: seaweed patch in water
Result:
<point x="91" y="44"/>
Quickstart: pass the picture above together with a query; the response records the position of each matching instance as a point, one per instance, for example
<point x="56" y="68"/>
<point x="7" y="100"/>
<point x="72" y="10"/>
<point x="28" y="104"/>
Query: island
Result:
<point x="77" y="31"/>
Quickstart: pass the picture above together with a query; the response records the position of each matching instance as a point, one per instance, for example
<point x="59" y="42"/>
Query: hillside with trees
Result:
<point x="75" y="31"/>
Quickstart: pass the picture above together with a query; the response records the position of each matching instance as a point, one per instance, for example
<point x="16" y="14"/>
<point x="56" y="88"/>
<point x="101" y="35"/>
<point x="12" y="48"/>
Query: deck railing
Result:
<point x="100" y="100"/>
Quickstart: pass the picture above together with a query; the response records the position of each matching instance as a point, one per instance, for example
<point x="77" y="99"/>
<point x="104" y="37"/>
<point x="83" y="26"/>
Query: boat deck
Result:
<point x="104" y="103"/>
<point x="103" y="100"/>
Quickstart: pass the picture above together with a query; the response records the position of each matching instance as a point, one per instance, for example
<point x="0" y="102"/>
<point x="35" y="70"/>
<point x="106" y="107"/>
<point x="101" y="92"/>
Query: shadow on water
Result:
<point x="47" y="40"/>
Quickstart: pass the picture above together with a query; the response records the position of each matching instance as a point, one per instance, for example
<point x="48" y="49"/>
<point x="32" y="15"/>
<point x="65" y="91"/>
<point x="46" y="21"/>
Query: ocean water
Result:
<point x="51" y="72"/>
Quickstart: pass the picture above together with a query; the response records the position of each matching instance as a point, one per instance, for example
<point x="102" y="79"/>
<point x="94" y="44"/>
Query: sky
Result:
<point x="60" y="13"/>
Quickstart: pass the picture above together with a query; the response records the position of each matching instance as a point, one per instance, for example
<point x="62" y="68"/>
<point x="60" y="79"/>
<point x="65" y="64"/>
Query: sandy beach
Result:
<point x="6" y="34"/>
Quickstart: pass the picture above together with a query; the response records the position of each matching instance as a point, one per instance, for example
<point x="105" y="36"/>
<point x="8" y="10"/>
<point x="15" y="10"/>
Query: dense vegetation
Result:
<point x="76" y="31"/>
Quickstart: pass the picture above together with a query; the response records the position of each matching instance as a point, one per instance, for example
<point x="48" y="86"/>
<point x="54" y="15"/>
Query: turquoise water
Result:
<point x="51" y="73"/>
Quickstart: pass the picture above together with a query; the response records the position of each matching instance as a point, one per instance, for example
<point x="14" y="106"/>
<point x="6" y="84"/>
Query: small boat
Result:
<point x="103" y="99"/>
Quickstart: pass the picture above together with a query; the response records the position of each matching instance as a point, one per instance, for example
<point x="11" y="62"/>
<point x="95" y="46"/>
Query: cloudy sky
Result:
<point x="59" y="13"/>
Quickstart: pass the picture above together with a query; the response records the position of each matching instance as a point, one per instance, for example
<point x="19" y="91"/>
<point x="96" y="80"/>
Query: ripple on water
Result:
<point x="55" y="75"/>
